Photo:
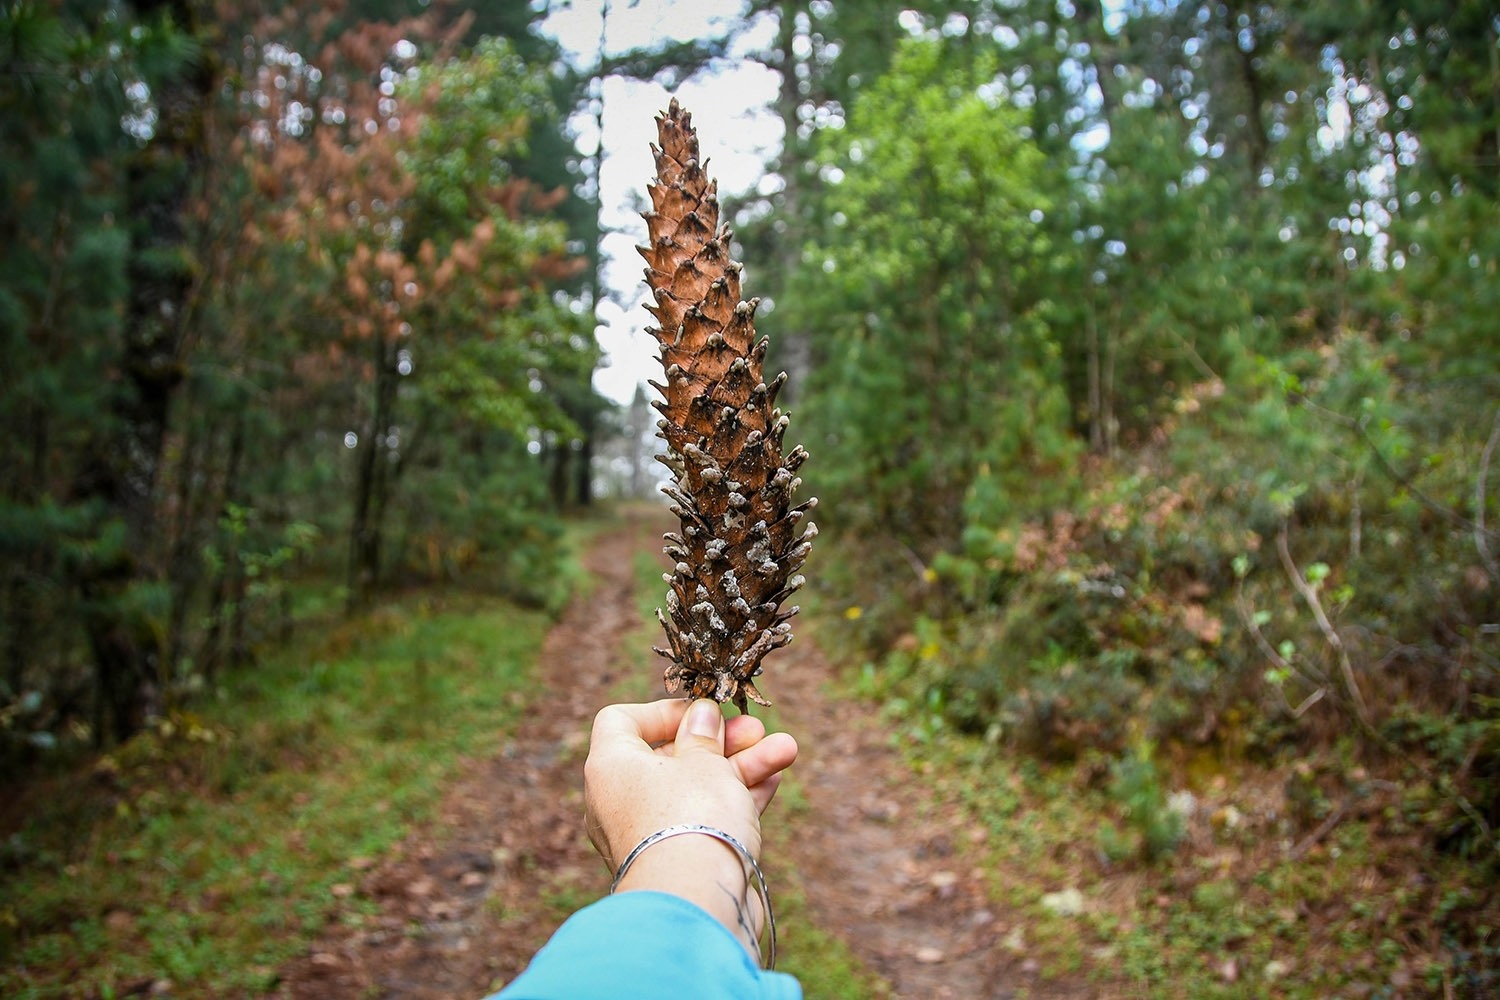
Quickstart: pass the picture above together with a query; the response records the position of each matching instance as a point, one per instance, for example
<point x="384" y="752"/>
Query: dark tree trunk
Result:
<point x="583" y="470"/>
<point x="229" y="580"/>
<point x="122" y="471"/>
<point x="372" y="481"/>
<point x="557" y="478"/>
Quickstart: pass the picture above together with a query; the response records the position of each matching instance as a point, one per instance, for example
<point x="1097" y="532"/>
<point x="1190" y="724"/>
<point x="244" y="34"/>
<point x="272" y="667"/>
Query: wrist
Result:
<point x="698" y="866"/>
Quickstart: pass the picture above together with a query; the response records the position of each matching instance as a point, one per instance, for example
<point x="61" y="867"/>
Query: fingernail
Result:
<point x="704" y="718"/>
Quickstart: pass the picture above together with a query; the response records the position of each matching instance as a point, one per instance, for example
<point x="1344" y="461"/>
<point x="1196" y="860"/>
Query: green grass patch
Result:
<point x="1216" y="901"/>
<point x="207" y="851"/>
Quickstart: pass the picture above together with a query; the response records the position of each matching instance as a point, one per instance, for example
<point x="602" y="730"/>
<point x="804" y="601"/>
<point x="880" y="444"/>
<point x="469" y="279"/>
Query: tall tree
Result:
<point x="123" y="455"/>
<point x="926" y="292"/>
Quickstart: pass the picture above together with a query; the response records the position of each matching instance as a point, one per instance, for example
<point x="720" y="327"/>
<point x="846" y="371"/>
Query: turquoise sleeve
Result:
<point x="639" y="945"/>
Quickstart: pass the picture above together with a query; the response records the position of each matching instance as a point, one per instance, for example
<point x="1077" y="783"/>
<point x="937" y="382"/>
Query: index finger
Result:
<point x="652" y="723"/>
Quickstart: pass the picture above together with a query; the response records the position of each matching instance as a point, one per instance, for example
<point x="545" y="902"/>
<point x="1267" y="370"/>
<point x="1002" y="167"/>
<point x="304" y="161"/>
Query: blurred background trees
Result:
<point x="1154" y="377"/>
<point x="283" y="288"/>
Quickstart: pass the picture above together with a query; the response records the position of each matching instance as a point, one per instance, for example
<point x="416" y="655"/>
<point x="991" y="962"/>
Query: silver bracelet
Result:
<point x="751" y="866"/>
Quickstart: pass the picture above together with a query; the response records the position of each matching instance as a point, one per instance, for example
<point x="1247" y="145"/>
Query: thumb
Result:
<point x="702" y="728"/>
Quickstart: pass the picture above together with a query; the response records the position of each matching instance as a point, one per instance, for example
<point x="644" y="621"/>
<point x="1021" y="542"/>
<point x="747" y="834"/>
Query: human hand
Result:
<point x="672" y="762"/>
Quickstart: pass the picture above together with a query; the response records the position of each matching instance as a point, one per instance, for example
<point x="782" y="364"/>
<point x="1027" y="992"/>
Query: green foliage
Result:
<point x="1219" y="476"/>
<point x="366" y="332"/>
<point x="331" y="751"/>
<point x="935" y="360"/>
<point x="477" y="125"/>
<point x="1135" y="784"/>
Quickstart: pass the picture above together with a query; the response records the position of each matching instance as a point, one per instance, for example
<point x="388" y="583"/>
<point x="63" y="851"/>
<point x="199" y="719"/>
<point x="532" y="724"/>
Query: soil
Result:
<point x="459" y="908"/>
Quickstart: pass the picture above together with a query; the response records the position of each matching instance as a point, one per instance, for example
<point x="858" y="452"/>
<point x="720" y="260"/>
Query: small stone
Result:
<point x="1183" y="803"/>
<point x="929" y="955"/>
<point x="943" y="880"/>
<point x="1065" y="903"/>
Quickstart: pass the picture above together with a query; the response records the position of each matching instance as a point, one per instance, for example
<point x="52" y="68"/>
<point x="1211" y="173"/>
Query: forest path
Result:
<point x="460" y="906"/>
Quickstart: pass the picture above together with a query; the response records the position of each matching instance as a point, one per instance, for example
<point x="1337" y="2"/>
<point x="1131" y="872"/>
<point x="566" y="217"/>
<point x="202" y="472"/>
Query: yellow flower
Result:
<point x="853" y="612"/>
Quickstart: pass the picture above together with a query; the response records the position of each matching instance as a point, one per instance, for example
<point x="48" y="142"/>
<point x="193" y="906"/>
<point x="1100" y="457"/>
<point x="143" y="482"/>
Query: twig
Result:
<point x="1320" y="684"/>
<point x="1310" y="596"/>
<point x="1442" y="782"/>
<point x="914" y="561"/>
<point x="1405" y="483"/>
<point x="1332" y="820"/>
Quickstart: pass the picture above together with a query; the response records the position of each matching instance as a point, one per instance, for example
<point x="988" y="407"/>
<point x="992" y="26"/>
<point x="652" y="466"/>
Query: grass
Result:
<point x="209" y="850"/>
<point x="1227" y="913"/>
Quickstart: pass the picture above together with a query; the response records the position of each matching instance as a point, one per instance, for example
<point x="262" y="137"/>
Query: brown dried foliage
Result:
<point x="740" y="545"/>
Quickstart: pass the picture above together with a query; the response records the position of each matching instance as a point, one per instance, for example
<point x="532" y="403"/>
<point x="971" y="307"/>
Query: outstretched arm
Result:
<point x="653" y="767"/>
<point x="670" y="763"/>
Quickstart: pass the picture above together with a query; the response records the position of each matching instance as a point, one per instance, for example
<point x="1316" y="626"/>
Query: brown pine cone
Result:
<point x="740" y="547"/>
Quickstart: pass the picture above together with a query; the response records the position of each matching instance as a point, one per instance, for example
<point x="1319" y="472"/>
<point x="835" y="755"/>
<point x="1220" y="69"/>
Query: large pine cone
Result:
<point x="739" y="549"/>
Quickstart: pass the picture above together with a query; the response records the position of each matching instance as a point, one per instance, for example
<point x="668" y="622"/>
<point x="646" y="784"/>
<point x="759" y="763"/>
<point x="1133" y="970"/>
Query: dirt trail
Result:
<point x="460" y="907"/>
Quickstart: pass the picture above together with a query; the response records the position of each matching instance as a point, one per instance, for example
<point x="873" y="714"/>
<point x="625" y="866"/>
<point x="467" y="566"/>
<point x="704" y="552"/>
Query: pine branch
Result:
<point x="740" y="544"/>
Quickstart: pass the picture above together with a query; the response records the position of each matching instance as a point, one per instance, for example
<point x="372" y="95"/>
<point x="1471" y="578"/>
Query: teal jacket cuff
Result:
<point x="639" y="945"/>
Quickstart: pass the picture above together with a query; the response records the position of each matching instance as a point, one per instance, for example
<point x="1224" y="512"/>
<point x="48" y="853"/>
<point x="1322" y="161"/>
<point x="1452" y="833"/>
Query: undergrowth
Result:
<point x="209" y="850"/>
<point x="1165" y="875"/>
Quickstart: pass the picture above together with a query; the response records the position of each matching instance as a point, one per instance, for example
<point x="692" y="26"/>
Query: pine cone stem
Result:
<point x="741" y="541"/>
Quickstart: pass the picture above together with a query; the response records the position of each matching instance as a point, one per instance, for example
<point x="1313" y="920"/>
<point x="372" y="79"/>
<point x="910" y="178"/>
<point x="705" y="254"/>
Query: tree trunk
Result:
<point x="122" y="471"/>
<point x="583" y="470"/>
<point x="370" y="485"/>
<point x="1096" y="391"/>
<point x="232" y="561"/>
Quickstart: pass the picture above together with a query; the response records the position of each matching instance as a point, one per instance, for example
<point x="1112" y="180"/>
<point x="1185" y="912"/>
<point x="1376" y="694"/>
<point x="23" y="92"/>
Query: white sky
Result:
<point x="731" y="106"/>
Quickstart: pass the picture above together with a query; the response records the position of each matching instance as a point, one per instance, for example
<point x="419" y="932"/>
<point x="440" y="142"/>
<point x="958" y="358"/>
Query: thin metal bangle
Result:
<point x="769" y="955"/>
